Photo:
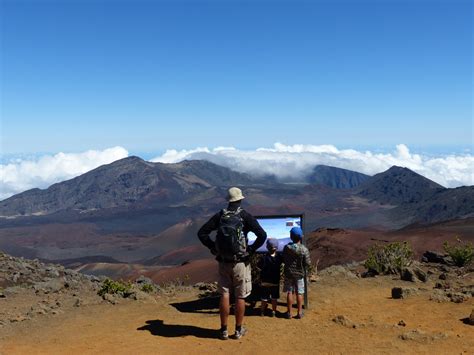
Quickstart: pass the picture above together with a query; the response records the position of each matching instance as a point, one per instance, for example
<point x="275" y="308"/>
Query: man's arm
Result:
<point x="207" y="229"/>
<point x="252" y="225"/>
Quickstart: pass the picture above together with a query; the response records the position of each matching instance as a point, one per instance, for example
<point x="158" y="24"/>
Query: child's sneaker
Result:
<point x="299" y="315"/>
<point x="239" y="334"/>
<point x="272" y="314"/>
<point x="288" y="315"/>
<point x="223" y="335"/>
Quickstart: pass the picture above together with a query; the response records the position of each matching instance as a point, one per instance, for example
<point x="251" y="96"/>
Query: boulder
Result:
<point x="413" y="274"/>
<point x="434" y="257"/>
<point x="458" y="297"/>
<point x="143" y="280"/>
<point x="403" y="292"/>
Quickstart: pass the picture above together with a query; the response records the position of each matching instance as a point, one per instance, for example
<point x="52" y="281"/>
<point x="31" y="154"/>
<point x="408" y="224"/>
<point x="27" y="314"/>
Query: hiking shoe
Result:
<point x="240" y="334"/>
<point x="223" y="335"/>
<point x="288" y="315"/>
<point x="272" y="314"/>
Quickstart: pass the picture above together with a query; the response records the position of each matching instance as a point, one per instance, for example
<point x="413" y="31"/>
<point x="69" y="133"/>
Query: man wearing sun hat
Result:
<point x="232" y="251"/>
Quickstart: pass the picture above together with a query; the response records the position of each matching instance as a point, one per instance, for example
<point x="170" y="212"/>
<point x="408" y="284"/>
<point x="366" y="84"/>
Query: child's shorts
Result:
<point x="270" y="292"/>
<point x="294" y="285"/>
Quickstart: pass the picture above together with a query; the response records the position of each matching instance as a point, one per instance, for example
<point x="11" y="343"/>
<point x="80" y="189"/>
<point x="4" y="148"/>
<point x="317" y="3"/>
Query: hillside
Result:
<point x="336" y="177"/>
<point x="397" y="186"/>
<point x="138" y="212"/>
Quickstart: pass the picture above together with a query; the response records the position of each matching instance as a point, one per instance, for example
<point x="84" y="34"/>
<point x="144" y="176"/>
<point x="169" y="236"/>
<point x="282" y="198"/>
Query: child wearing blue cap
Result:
<point x="296" y="258"/>
<point x="270" y="265"/>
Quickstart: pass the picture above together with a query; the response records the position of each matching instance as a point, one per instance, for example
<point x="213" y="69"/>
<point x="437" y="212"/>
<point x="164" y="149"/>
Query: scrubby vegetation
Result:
<point x="462" y="253"/>
<point x="390" y="258"/>
<point x="147" y="288"/>
<point x="114" y="287"/>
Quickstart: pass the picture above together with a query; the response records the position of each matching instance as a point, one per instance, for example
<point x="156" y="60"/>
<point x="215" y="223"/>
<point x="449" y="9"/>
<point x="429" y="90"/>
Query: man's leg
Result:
<point x="274" y="304"/>
<point x="224" y="309"/>
<point x="263" y="307"/>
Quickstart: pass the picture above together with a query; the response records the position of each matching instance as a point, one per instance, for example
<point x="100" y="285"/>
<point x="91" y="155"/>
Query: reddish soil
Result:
<point x="135" y="327"/>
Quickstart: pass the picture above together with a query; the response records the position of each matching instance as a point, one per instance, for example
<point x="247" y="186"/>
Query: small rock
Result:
<point x="403" y="292"/>
<point x="343" y="320"/>
<point x="78" y="302"/>
<point x="443" y="276"/>
<point x="470" y="320"/>
<point x="2" y="295"/>
<point x="402" y="323"/>
<point x="420" y="336"/>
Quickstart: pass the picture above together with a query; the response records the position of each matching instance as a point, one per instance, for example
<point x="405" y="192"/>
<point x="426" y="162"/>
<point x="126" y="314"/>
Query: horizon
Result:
<point x="285" y="162"/>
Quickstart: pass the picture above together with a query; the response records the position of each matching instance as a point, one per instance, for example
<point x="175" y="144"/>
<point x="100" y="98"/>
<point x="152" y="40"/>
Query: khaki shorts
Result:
<point x="236" y="277"/>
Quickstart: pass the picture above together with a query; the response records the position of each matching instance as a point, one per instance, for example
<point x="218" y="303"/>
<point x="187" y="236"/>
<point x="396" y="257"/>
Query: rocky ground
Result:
<point x="48" y="309"/>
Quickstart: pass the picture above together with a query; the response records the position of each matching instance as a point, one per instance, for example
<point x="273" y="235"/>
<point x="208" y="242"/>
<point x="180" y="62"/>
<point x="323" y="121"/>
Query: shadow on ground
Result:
<point x="208" y="305"/>
<point x="159" y="328"/>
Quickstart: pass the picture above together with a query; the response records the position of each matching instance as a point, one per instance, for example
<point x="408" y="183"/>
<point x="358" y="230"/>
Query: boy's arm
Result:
<point x="307" y="258"/>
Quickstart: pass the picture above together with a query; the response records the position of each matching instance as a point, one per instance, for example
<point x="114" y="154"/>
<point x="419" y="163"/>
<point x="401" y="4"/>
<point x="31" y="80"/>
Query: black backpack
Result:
<point x="231" y="243"/>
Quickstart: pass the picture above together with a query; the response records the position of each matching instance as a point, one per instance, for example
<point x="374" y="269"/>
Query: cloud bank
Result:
<point x="20" y="175"/>
<point x="287" y="162"/>
<point x="296" y="161"/>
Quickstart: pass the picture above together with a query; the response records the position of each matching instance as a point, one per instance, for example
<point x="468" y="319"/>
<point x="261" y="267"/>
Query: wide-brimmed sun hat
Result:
<point x="234" y="194"/>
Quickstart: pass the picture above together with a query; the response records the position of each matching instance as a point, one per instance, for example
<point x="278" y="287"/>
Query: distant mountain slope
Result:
<point x="336" y="177"/>
<point x="397" y="186"/>
<point x="443" y="205"/>
<point x="122" y="183"/>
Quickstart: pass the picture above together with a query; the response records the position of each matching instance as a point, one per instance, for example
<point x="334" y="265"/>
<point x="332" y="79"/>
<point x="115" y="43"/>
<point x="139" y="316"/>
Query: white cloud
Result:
<point x="285" y="161"/>
<point x="296" y="161"/>
<point x="20" y="175"/>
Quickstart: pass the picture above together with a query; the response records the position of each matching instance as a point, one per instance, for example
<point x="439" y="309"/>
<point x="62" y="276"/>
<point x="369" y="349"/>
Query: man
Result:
<point x="233" y="254"/>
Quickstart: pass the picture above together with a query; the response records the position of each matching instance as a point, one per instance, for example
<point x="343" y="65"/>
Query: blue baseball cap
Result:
<point x="296" y="232"/>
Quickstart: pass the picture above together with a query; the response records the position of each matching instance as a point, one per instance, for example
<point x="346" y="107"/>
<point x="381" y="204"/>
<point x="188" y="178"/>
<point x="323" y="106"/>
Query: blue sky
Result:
<point x="154" y="75"/>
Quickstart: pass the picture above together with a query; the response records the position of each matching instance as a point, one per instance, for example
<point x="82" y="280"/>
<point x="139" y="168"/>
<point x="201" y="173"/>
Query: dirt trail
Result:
<point x="133" y="327"/>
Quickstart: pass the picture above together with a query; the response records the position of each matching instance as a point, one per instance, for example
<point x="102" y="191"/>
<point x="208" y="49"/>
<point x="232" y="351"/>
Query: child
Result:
<point x="270" y="266"/>
<point x="296" y="258"/>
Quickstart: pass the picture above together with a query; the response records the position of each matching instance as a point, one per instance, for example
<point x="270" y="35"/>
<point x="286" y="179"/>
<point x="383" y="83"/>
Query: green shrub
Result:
<point x="390" y="258"/>
<point x="148" y="288"/>
<point x="462" y="253"/>
<point x="114" y="287"/>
